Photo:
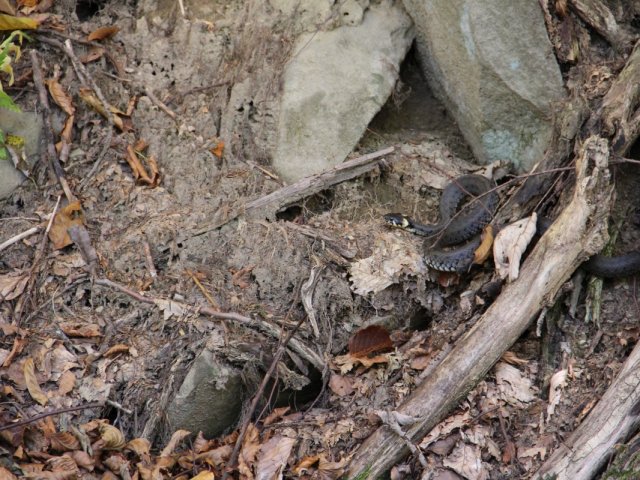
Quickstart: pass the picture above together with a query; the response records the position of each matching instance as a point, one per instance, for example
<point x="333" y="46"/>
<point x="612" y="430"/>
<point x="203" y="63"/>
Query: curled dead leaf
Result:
<point x="116" y="349"/>
<point x="102" y="33"/>
<point x="68" y="216"/>
<point x="12" y="285"/>
<point x="510" y="243"/>
<point x="62" y="98"/>
<point x="29" y="371"/>
<point x="112" y="437"/>
<point x="151" y="178"/>
<point x="484" y="250"/>
<point x="370" y="340"/>
<point x="92" y="55"/>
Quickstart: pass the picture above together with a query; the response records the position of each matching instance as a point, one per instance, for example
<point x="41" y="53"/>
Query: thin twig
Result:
<point x="256" y="398"/>
<point x="268" y="328"/>
<point x="159" y="103"/>
<point x="20" y="236"/>
<point x="54" y="161"/>
<point x="58" y="411"/>
<point x="87" y="80"/>
<point x="36" y="261"/>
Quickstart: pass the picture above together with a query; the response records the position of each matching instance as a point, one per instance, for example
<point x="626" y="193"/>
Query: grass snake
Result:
<point x="463" y="223"/>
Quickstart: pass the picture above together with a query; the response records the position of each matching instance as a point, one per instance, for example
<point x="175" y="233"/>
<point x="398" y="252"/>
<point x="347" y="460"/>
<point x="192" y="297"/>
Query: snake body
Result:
<point x="465" y="225"/>
<point x="456" y="224"/>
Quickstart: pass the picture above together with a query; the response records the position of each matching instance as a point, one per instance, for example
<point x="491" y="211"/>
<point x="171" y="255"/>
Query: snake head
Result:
<point x="397" y="220"/>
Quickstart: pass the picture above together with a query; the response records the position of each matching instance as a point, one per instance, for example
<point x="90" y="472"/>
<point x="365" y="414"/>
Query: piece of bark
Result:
<point x="620" y="103"/>
<point x="579" y="231"/>
<point x="598" y="15"/>
<point x="270" y="204"/>
<point x="613" y="419"/>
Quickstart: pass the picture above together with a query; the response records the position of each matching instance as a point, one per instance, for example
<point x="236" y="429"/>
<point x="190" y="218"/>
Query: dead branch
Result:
<point x="612" y="420"/>
<point x="621" y="103"/>
<point x="57" y="411"/>
<point x="54" y="161"/>
<point x="598" y="15"/>
<point x="273" y="202"/>
<point x="578" y="232"/>
<point x="268" y="328"/>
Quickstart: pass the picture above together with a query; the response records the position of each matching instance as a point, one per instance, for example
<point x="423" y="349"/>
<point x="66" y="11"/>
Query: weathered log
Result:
<point x="578" y="232"/>
<point x="612" y="420"/>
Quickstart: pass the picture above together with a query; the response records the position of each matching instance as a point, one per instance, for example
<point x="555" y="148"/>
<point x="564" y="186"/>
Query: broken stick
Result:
<point x="273" y="202"/>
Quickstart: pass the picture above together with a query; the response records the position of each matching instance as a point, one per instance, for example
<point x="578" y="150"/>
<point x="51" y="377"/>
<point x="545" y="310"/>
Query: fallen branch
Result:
<point x="54" y="161"/>
<point x="58" y="411"/>
<point x="619" y="113"/>
<point x="613" y="419"/>
<point x="305" y="187"/>
<point x="577" y="233"/>
<point x="268" y="328"/>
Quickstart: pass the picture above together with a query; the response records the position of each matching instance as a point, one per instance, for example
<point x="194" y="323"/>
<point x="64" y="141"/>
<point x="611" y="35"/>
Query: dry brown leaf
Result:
<point x="250" y="449"/>
<point x="7" y="7"/>
<point x="514" y="387"/>
<point x="328" y="470"/>
<point x="6" y="474"/>
<point x="81" y="330"/>
<point x="68" y="216"/>
<point x="466" y="460"/>
<point x="421" y="362"/>
<point x="273" y="457"/>
<point x="513" y="358"/>
<point x="87" y="95"/>
<point x="509" y="245"/>
<point x="64" y="442"/>
<point x="102" y="33"/>
<point x="92" y="55"/>
<point x="557" y="382"/>
<point x="275" y="415"/>
<point x="139" y="171"/>
<point x="341" y="385"/>
<point x="562" y="9"/>
<point x="67" y="130"/>
<point x="484" y="249"/>
<point x="116" y="349"/>
<point x="217" y="456"/>
<point x="12" y="285"/>
<point x="218" y="150"/>
<point x="62" y="98"/>
<point x="176" y="438"/>
<point x="242" y="277"/>
<point x="62" y="468"/>
<point x="112" y="437"/>
<point x="18" y="345"/>
<point x="66" y="382"/>
<point x="369" y="340"/>
<point x="347" y="362"/>
<point x="83" y="459"/>
<point x="140" y="446"/>
<point x="29" y="370"/>
<point x="204" y="475"/>
<point x="447" y="279"/>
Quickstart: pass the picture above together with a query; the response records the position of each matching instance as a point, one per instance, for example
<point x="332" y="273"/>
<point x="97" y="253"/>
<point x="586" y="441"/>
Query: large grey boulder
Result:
<point x="492" y="64"/>
<point x="334" y="84"/>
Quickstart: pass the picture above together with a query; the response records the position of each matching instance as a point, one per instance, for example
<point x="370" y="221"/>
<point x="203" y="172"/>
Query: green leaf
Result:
<point x="6" y="102"/>
<point x="4" y="154"/>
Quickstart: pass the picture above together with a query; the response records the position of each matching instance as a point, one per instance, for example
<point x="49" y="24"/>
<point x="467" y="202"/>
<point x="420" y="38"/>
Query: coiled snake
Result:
<point x="457" y="225"/>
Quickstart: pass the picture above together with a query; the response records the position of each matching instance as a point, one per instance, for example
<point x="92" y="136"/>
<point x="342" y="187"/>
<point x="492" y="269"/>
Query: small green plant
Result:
<point x="10" y="46"/>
